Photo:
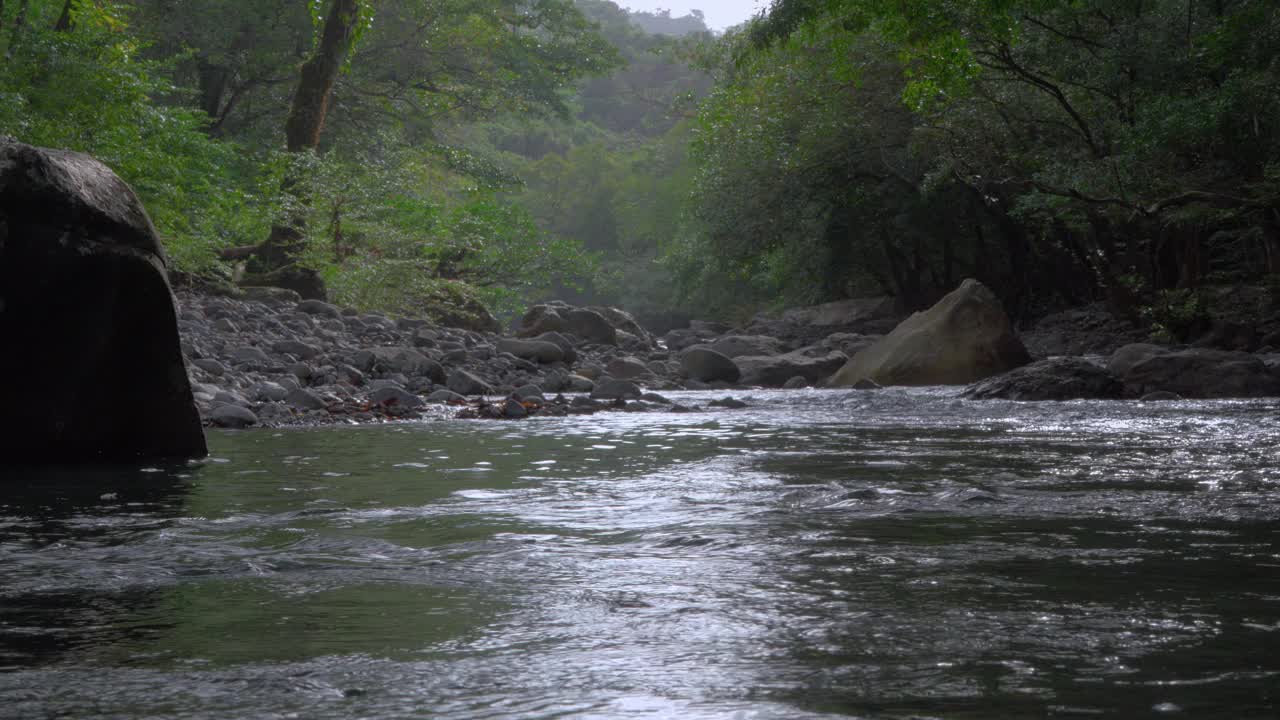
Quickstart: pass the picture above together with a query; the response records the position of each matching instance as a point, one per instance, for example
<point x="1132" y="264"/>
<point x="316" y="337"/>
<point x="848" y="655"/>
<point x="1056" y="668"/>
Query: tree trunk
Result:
<point x="64" y="20"/>
<point x="315" y="86"/>
<point x="302" y="134"/>
<point x="213" y="81"/>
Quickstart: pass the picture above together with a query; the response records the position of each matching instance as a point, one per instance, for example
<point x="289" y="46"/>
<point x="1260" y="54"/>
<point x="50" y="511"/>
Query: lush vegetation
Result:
<point x="1062" y="151"/>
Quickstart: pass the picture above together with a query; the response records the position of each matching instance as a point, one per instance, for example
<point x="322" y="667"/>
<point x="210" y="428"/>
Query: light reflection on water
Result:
<point x="900" y="553"/>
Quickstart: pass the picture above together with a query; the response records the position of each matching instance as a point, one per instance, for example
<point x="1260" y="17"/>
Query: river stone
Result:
<point x="92" y="365"/>
<point x="211" y="366"/>
<point x="562" y="342"/>
<point x="525" y="393"/>
<point x="705" y="365"/>
<point x="964" y="338"/>
<point x="445" y="396"/>
<point x="464" y="383"/>
<point x="627" y="368"/>
<point x="399" y="360"/>
<point x="1063" y="378"/>
<point x="319" y="307"/>
<point x="270" y="392"/>
<point x="391" y="395"/>
<point x="513" y="409"/>
<point x="542" y="319"/>
<point x="578" y="383"/>
<point x="232" y="416"/>
<point x="684" y="338"/>
<point x="304" y="399"/>
<point x="225" y="325"/>
<point x="624" y="322"/>
<point x="250" y="356"/>
<point x="776" y="370"/>
<point x="609" y="388"/>
<point x="591" y="326"/>
<point x="1193" y="372"/>
<point x="298" y="349"/>
<point x="798" y="382"/>
<point x="535" y="350"/>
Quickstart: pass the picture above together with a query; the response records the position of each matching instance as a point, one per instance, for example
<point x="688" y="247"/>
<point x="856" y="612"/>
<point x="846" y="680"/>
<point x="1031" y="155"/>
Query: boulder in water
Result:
<point x="1193" y="372"/>
<point x="92" y="363"/>
<point x="1064" y="378"/>
<point x="707" y="365"/>
<point x="964" y="338"/>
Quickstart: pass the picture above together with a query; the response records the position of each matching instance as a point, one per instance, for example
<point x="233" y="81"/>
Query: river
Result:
<point x="893" y="554"/>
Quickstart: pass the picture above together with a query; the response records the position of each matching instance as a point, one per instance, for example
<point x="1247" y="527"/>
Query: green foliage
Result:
<point x="89" y="90"/>
<point x="1044" y="146"/>
<point x="1176" y="315"/>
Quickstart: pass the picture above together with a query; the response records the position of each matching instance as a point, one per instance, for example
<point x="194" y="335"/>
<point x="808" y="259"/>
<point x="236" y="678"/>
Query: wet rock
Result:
<point x="525" y="393"/>
<point x="1160" y="396"/>
<point x="1065" y="378"/>
<point x="729" y="403"/>
<point x="514" y="409"/>
<point x="397" y="396"/>
<point x="609" y="388"/>
<point x="705" y="365"/>
<point x="446" y="396"/>
<point x="796" y="383"/>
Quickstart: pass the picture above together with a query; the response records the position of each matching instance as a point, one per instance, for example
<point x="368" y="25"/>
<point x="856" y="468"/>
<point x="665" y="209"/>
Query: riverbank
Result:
<point x="269" y="359"/>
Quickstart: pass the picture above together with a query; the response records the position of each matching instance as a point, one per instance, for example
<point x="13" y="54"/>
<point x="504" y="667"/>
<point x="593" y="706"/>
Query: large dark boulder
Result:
<point x="1193" y="372"/>
<point x="91" y="360"/>
<point x="1064" y="378"/>
<point x="707" y="365"/>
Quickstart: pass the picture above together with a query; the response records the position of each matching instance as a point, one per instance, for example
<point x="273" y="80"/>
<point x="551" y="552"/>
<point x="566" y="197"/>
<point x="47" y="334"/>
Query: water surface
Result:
<point x="889" y="554"/>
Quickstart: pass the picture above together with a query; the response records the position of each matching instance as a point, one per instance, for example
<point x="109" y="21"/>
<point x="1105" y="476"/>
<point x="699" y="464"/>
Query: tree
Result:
<point x="306" y="119"/>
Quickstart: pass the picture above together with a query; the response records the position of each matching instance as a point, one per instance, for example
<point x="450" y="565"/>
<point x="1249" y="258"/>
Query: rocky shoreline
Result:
<point x="268" y="359"/>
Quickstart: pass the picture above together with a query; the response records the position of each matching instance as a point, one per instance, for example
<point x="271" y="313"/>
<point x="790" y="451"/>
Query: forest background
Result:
<point x="404" y="153"/>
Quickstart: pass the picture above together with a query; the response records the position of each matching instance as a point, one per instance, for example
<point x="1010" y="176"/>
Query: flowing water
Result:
<point x="890" y="554"/>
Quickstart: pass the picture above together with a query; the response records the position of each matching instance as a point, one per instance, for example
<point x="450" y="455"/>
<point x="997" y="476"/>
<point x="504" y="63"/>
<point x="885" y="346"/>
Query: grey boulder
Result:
<point x="707" y="365"/>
